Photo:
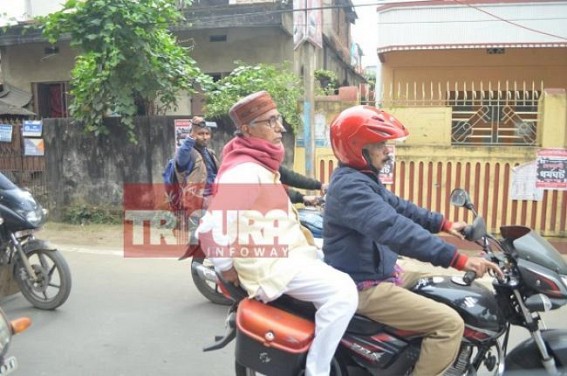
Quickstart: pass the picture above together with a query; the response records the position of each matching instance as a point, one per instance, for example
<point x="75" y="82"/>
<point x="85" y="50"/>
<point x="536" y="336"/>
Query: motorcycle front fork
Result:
<point x="533" y="326"/>
<point x="25" y="262"/>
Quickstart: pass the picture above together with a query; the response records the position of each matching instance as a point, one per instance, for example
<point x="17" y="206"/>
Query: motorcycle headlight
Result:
<point x="35" y="217"/>
<point x="5" y="334"/>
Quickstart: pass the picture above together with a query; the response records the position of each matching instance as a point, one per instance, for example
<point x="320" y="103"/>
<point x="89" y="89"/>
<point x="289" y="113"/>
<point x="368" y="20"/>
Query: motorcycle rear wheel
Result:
<point x="208" y="289"/>
<point x="53" y="285"/>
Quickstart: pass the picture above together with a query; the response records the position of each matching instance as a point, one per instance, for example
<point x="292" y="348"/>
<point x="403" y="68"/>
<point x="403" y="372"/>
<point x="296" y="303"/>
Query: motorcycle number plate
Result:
<point x="8" y="366"/>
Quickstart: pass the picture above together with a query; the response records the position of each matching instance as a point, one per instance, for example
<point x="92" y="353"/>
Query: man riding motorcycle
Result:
<point x="366" y="227"/>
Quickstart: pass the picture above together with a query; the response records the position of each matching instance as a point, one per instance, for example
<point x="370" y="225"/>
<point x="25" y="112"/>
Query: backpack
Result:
<point x="173" y="190"/>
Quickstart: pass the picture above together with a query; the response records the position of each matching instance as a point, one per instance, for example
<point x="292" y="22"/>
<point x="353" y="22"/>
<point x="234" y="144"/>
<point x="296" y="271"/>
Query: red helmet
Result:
<point x="359" y="126"/>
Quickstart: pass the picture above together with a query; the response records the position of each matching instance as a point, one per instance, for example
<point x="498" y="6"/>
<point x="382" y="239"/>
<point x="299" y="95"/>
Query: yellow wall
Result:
<point x="553" y="105"/>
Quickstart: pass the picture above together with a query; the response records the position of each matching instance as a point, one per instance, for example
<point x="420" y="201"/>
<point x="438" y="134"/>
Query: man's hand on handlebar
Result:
<point x="480" y="266"/>
<point x="457" y="229"/>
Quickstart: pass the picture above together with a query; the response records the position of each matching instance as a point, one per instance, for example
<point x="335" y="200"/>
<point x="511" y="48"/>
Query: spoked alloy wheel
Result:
<point x="53" y="284"/>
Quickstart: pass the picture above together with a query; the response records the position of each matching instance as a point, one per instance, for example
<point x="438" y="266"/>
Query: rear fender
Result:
<point x="556" y="341"/>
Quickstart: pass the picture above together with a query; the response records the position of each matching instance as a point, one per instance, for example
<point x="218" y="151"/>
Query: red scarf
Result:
<point x="251" y="149"/>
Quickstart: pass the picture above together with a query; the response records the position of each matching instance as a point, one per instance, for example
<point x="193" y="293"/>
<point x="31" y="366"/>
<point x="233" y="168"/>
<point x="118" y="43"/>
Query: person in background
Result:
<point x="366" y="228"/>
<point x="252" y="160"/>
<point x="195" y="161"/>
<point x="196" y="167"/>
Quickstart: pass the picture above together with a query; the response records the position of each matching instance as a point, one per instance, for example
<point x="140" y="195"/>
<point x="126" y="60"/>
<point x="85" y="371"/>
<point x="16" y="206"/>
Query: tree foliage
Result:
<point x="128" y="58"/>
<point x="284" y="86"/>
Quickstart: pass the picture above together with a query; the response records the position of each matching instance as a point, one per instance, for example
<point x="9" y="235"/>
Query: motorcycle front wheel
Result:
<point x="53" y="284"/>
<point x="531" y="366"/>
<point x="208" y="289"/>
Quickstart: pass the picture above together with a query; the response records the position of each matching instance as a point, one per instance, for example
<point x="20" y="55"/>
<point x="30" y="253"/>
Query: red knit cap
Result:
<point x="251" y="107"/>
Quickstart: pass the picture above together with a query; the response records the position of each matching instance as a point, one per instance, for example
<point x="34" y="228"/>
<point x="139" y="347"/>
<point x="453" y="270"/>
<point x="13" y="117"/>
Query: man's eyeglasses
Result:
<point x="273" y="121"/>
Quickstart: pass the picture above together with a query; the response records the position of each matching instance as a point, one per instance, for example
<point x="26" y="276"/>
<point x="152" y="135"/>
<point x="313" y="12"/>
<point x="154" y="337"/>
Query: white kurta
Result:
<point x="271" y="274"/>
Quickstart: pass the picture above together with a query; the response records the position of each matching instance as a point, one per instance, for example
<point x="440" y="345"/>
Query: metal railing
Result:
<point x="482" y="114"/>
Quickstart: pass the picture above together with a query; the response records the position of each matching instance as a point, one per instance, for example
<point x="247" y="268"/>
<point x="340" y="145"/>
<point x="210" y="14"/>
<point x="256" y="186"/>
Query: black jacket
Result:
<point x="293" y="179"/>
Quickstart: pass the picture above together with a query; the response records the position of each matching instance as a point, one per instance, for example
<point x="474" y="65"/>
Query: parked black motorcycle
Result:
<point x="9" y="364"/>
<point x="40" y="271"/>
<point x="273" y="339"/>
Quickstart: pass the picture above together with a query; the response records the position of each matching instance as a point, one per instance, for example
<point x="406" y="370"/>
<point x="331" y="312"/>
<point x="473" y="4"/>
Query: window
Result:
<point x="51" y="99"/>
<point x="503" y="117"/>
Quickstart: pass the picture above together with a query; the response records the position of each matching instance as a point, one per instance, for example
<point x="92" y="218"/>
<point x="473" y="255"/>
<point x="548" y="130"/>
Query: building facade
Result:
<point x="217" y="32"/>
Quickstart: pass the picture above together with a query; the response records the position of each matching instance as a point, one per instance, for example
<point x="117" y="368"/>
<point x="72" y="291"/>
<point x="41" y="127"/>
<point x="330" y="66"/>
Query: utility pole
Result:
<point x="308" y="111"/>
<point x="308" y="57"/>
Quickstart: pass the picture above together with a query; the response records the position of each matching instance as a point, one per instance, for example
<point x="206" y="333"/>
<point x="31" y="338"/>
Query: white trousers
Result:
<point x="335" y="296"/>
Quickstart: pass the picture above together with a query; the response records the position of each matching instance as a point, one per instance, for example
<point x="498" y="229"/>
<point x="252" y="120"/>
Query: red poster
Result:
<point x="551" y="169"/>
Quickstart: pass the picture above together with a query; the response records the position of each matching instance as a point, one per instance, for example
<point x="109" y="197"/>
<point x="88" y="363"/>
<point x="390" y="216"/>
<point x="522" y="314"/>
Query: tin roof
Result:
<point x="12" y="101"/>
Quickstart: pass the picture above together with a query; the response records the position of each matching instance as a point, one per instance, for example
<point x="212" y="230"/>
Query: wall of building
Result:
<point x="243" y="44"/>
<point x="27" y="63"/>
<point x="86" y="170"/>
<point x="457" y="67"/>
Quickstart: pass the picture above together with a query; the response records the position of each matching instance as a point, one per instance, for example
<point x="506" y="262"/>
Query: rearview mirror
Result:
<point x="460" y="197"/>
<point x="478" y="229"/>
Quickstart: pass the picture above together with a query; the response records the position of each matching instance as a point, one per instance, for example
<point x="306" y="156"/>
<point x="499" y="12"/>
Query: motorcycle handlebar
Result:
<point x="469" y="277"/>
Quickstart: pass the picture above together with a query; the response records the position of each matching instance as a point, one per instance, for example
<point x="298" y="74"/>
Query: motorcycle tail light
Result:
<point x="21" y="324"/>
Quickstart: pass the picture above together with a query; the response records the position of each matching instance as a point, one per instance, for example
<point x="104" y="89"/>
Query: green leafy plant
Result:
<point x="128" y="59"/>
<point x="284" y="86"/>
<point x="327" y="80"/>
<point x="88" y="214"/>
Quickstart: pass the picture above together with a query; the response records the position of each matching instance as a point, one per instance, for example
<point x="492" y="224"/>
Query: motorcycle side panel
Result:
<point x="526" y="354"/>
<point x="475" y="303"/>
<point x="381" y="353"/>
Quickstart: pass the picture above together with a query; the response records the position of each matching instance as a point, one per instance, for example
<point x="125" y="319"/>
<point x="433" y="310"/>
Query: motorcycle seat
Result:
<point x="359" y="324"/>
<point x="362" y="325"/>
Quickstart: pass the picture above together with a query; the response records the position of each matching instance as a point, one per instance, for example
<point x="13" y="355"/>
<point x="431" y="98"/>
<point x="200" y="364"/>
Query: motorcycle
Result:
<point x="274" y="338"/>
<point x="39" y="270"/>
<point x="203" y="274"/>
<point x="9" y="364"/>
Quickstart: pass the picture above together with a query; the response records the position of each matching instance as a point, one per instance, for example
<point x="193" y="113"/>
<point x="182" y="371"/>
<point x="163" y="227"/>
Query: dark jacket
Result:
<point x="196" y="165"/>
<point x="293" y="179"/>
<point x="366" y="227"/>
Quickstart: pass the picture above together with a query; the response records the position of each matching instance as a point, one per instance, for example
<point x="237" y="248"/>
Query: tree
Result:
<point x="284" y="86"/>
<point x="128" y="59"/>
<point x="327" y="80"/>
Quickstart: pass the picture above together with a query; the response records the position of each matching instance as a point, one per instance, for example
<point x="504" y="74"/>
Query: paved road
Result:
<point x="124" y="317"/>
<point x="129" y="317"/>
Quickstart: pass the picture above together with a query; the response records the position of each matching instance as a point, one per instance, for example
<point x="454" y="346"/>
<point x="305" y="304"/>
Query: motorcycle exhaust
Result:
<point x="205" y="273"/>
